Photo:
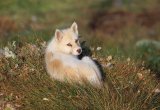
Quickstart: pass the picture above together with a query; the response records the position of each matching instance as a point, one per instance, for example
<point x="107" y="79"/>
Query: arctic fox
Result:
<point x="62" y="62"/>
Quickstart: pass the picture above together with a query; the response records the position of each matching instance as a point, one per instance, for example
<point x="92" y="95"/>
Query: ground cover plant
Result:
<point x="123" y="36"/>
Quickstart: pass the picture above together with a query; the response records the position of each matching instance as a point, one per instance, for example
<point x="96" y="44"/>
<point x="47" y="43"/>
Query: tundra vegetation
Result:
<point x="122" y="35"/>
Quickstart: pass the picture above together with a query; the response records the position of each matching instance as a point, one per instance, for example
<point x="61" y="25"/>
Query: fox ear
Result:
<point x="74" y="27"/>
<point x="58" y="35"/>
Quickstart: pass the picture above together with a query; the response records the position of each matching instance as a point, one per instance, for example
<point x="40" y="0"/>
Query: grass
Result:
<point x="130" y="82"/>
<point x="27" y="84"/>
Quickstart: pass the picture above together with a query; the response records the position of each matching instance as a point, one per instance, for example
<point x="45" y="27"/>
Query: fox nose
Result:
<point x="79" y="50"/>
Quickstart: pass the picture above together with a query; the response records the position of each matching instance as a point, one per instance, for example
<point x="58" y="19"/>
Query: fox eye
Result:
<point x="69" y="44"/>
<point x="76" y="41"/>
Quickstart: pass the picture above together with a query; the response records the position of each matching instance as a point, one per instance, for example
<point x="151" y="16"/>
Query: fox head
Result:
<point x="68" y="40"/>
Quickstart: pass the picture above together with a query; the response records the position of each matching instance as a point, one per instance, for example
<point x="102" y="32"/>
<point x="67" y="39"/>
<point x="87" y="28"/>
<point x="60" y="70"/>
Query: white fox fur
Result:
<point x="62" y="63"/>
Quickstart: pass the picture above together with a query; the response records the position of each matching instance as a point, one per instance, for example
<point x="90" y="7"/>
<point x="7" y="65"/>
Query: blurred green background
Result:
<point x="115" y="25"/>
